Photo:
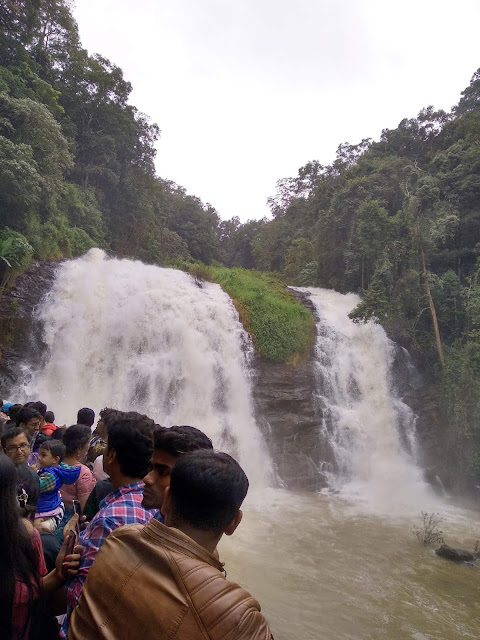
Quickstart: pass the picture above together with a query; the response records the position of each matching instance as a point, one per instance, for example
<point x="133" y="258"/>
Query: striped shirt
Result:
<point x="122" y="506"/>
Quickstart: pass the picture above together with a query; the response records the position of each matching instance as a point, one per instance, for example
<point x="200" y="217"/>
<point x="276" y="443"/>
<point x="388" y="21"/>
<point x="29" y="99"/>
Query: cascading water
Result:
<point x="322" y="566"/>
<point x="135" y="337"/>
<point x="369" y="430"/>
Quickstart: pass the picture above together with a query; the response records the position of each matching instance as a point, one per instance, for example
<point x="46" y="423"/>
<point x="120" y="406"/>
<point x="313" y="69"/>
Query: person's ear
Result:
<point x="234" y="523"/>
<point x="166" y="507"/>
<point x="110" y="455"/>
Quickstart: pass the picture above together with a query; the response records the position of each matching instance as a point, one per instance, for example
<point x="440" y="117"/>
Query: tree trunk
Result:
<point x="432" y="309"/>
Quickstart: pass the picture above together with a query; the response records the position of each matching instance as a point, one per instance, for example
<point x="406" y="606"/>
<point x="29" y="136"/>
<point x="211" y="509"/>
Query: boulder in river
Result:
<point x="457" y="555"/>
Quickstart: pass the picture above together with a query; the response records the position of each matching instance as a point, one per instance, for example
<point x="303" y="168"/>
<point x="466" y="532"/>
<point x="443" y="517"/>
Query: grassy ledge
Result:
<point x="281" y="328"/>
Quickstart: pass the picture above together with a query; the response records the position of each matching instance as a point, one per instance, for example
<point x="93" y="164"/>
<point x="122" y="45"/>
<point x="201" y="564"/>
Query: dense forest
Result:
<point x="397" y="220"/>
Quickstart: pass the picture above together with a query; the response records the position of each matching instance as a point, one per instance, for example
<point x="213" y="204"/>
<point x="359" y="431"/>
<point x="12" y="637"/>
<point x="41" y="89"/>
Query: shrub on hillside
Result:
<point x="15" y="255"/>
<point x="281" y="327"/>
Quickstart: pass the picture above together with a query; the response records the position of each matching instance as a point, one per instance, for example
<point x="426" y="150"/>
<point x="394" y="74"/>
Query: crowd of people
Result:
<point x="114" y="532"/>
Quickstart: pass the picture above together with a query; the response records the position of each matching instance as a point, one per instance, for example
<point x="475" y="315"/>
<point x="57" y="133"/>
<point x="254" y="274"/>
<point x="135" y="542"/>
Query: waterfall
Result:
<point x="135" y="337"/>
<point x="367" y="427"/>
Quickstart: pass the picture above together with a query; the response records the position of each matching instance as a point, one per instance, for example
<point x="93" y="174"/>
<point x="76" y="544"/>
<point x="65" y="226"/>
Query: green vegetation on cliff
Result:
<point x="281" y="327"/>
<point x="397" y="220"/>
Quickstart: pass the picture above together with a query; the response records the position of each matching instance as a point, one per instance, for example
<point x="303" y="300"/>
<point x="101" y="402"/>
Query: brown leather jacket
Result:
<point x="152" y="581"/>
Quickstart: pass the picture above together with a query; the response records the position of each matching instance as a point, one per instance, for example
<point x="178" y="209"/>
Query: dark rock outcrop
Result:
<point x="457" y="555"/>
<point x="290" y="421"/>
<point x="20" y="336"/>
<point x="290" y="417"/>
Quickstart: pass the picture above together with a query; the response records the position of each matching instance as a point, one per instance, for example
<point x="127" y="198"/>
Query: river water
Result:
<point x="323" y="569"/>
<point x="345" y="564"/>
<point x="341" y="564"/>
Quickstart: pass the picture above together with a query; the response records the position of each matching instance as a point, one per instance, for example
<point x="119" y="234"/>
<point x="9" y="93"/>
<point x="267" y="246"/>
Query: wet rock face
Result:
<point x="417" y="387"/>
<point x="290" y="421"/>
<point x="290" y="418"/>
<point x="430" y="430"/>
<point x="20" y="336"/>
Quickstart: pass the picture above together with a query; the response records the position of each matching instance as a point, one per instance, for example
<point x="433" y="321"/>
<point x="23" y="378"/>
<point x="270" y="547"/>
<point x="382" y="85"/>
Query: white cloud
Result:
<point x="247" y="92"/>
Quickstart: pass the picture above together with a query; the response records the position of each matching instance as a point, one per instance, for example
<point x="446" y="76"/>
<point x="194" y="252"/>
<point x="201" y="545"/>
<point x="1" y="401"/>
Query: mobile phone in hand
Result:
<point x="77" y="508"/>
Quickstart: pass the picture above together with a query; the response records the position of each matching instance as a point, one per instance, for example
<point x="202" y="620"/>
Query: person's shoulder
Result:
<point x="225" y="606"/>
<point x="47" y="470"/>
<point x="124" y="534"/>
<point x="128" y="531"/>
<point x="85" y="472"/>
<point x="68" y="467"/>
<point x="116" y="514"/>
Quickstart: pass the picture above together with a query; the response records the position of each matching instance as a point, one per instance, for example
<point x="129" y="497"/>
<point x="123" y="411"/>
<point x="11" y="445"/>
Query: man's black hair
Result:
<point x="58" y="434"/>
<point x="49" y="417"/>
<point x="55" y="447"/>
<point x="76" y="437"/>
<point x="86" y="416"/>
<point x="178" y="440"/>
<point x="27" y="413"/>
<point x="130" y="435"/>
<point x="11" y="433"/>
<point x="108" y="414"/>
<point x="39" y="406"/>
<point x="13" y="411"/>
<point x="207" y="489"/>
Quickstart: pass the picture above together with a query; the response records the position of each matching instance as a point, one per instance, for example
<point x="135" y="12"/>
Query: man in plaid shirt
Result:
<point x="126" y="460"/>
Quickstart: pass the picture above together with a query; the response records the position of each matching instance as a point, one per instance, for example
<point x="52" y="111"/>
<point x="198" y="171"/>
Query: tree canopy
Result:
<point x="77" y="159"/>
<point x="397" y="219"/>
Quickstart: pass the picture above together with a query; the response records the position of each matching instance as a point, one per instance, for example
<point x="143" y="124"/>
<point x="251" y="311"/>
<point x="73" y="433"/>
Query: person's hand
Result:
<point x="74" y="525"/>
<point x="72" y="561"/>
<point x="67" y="565"/>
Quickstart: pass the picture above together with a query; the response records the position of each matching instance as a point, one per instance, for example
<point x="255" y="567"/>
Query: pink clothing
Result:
<point x="48" y="514"/>
<point x="82" y="488"/>
<point x="20" y="601"/>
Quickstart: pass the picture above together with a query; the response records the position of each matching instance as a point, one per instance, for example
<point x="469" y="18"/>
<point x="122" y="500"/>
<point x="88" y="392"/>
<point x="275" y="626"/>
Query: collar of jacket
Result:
<point x="176" y="540"/>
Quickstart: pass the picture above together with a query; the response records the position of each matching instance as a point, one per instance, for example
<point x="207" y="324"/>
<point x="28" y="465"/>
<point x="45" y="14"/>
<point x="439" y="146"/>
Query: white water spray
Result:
<point x="135" y="337"/>
<point x="371" y="432"/>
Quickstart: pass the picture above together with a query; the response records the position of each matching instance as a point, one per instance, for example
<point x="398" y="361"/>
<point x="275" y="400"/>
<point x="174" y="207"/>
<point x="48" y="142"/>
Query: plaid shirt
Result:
<point x="48" y="482"/>
<point x="122" y="506"/>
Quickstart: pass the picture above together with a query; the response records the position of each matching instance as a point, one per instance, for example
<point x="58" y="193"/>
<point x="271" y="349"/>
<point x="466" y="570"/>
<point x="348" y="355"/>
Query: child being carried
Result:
<point x="53" y="473"/>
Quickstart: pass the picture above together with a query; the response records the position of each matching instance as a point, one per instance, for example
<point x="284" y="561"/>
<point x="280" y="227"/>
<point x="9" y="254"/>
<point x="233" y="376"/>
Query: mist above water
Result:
<point x="135" y="337"/>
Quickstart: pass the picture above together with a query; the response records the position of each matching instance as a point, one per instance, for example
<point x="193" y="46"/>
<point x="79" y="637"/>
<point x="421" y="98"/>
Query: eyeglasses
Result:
<point x="15" y="447"/>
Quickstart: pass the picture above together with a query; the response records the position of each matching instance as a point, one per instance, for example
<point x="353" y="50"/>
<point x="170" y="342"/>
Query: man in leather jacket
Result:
<point x="165" y="580"/>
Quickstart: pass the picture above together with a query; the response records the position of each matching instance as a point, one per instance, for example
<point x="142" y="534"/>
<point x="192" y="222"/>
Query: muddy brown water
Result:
<point x="324" y="568"/>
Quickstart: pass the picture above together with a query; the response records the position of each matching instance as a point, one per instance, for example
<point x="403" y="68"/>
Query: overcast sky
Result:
<point x="246" y="92"/>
